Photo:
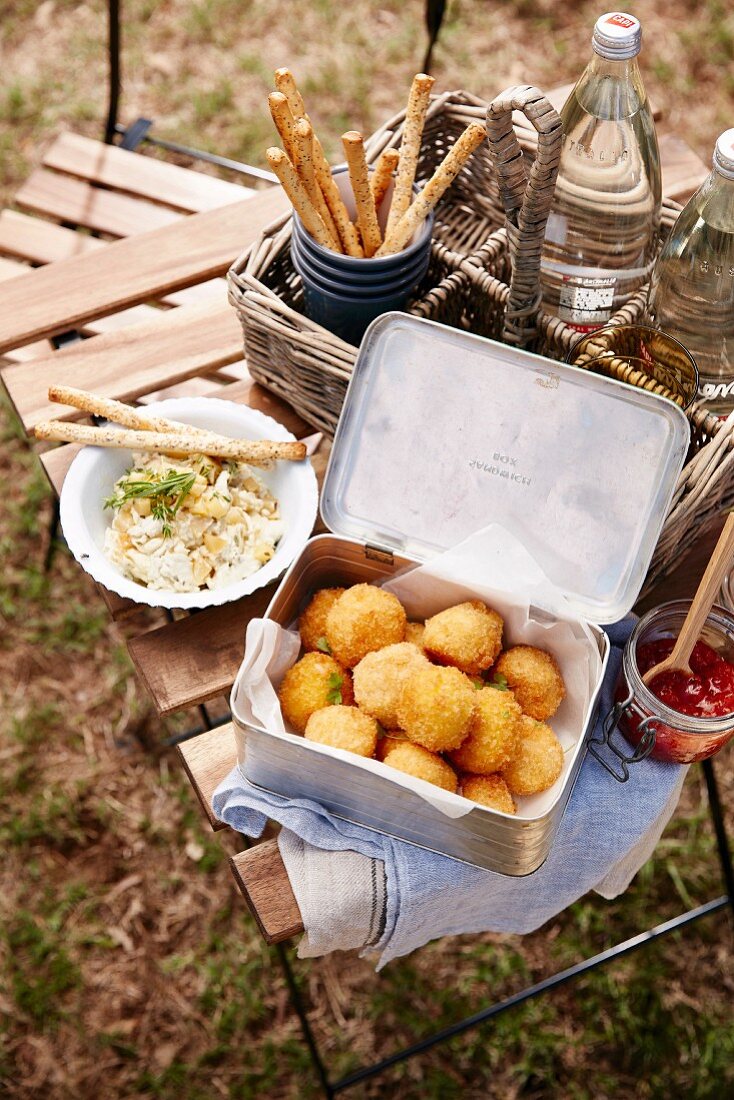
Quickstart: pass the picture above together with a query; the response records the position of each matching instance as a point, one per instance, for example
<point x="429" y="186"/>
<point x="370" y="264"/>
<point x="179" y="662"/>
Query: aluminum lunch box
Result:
<point x="443" y="432"/>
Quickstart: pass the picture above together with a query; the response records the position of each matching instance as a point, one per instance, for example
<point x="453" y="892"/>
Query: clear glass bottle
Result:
<point x="692" y="288"/>
<point x="601" y="234"/>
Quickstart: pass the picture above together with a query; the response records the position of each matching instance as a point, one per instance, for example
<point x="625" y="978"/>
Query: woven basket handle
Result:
<point x="527" y="200"/>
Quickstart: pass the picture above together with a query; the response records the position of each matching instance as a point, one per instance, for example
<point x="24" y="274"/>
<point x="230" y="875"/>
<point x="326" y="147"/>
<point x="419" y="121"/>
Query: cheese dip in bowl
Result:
<point x="194" y="531"/>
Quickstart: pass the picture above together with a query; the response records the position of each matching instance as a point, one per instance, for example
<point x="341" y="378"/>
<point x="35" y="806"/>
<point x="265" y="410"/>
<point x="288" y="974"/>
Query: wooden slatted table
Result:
<point x="150" y="300"/>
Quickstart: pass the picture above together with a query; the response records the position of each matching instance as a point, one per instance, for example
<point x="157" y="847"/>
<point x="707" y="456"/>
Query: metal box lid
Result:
<point x="443" y="432"/>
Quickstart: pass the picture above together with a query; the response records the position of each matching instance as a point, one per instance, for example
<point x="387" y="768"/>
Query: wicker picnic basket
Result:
<point x="483" y="277"/>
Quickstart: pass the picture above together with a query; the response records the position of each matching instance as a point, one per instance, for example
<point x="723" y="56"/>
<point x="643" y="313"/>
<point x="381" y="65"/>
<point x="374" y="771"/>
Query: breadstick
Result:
<point x="441" y="179"/>
<point x="284" y="122"/>
<point x="358" y="174"/>
<point x="237" y="450"/>
<point x="332" y="195"/>
<point x="380" y="178"/>
<point x="304" y="168"/>
<point x="410" y="147"/>
<point x="286" y="84"/>
<point x="296" y="192"/>
<point x="120" y="413"/>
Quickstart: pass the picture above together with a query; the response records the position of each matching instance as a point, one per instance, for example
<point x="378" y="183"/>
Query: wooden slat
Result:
<point x="76" y="201"/>
<point x="196" y="659"/>
<point x="133" y="270"/>
<point x="11" y="269"/>
<point x="178" y="344"/>
<point x="56" y="463"/>
<point x="261" y="876"/>
<point x="43" y="242"/>
<point x="683" y="170"/>
<point x="144" y="176"/>
<point x="207" y="759"/>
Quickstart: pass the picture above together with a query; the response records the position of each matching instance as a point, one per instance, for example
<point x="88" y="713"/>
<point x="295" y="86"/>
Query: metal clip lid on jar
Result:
<point x="650" y="725"/>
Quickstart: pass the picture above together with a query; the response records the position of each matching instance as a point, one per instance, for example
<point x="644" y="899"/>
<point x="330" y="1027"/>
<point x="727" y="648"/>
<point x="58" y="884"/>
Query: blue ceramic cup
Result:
<point x="321" y="277"/>
<point x="344" y="293"/>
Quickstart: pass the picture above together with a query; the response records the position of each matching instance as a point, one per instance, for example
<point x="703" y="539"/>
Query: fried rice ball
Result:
<point x="343" y="728"/>
<point x="414" y="633"/>
<point x="419" y="762"/>
<point x="538" y="761"/>
<point x="315" y="681"/>
<point x="391" y="740"/>
<point x="312" y="623"/>
<point x="363" y="619"/>
<point x="436" y="707"/>
<point x="533" y="675"/>
<point x="379" y="678"/>
<point x="494" y="733"/>
<point x="467" y="636"/>
<point x="488" y="790"/>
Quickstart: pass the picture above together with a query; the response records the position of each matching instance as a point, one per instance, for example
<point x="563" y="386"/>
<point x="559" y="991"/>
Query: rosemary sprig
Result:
<point x="166" y="495"/>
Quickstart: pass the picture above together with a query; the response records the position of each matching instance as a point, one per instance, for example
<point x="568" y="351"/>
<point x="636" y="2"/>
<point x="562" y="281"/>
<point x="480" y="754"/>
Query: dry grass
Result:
<point x="129" y="965"/>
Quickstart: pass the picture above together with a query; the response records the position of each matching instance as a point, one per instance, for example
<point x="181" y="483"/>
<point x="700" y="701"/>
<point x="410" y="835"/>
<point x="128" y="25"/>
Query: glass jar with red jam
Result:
<point x="678" y="717"/>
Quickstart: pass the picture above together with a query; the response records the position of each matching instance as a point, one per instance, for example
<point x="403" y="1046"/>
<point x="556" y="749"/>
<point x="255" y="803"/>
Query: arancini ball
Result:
<point x="389" y="741"/>
<point x="489" y="790"/>
<point x="379" y="678"/>
<point x="314" y="682"/>
<point x="467" y="636"/>
<point x="494" y="733"/>
<point x="538" y="761"/>
<point x="436" y="707"/>
<point x="414" y="633"/>
<point x="363" y="619"/>
<point x="312" y="623"/>
<point x="419" y="762"/>
<point x="343" y="728"/>
<point x="535" y="678"/>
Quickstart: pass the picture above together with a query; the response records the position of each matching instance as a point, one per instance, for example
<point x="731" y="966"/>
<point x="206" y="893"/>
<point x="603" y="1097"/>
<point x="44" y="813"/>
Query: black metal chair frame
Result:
<point x="131" y="138"/>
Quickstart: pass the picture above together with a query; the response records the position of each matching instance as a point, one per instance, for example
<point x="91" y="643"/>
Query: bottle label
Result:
<point x="619" y="19"/>
<point x="588" y="304"/>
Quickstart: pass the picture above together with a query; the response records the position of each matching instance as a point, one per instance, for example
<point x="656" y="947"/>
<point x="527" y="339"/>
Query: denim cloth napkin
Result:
<point x="608" y="831"/>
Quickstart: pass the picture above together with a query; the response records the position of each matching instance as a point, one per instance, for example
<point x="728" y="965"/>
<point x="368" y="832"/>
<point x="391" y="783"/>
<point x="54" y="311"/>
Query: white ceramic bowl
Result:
<point x="94" y="471"/>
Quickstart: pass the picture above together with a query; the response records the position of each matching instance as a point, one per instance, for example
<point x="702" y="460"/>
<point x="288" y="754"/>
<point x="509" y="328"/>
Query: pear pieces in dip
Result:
<point x="185" y="524"/>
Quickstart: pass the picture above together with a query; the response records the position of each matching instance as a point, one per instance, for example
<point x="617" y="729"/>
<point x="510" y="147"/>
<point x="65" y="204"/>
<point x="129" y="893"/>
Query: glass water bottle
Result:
<point x="692" y="288"/>
<point x="601" y="234"/>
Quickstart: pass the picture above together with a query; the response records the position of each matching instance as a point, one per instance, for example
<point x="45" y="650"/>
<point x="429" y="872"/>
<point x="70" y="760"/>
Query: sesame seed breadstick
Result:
<point x="410" y="147"/>
<point x="380" y="178"/>
<point x="286" y="84"/>
<point x="120" y="413"/>
<point x="284" y="122"/>
<point x="296" y="192"/>
<point x="441" y="179"/>
<point x="305" y="169"/>
<point x="169" y="443"/>
<point x="332" y="195"/>
<point x="358" y="174"/>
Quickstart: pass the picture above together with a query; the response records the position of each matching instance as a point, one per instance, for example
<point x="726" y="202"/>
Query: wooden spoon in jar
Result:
<point x="701" y="605"/>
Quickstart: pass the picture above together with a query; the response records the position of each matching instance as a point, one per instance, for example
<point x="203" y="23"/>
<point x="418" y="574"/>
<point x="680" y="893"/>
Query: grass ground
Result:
<point x="129" y="966"/>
